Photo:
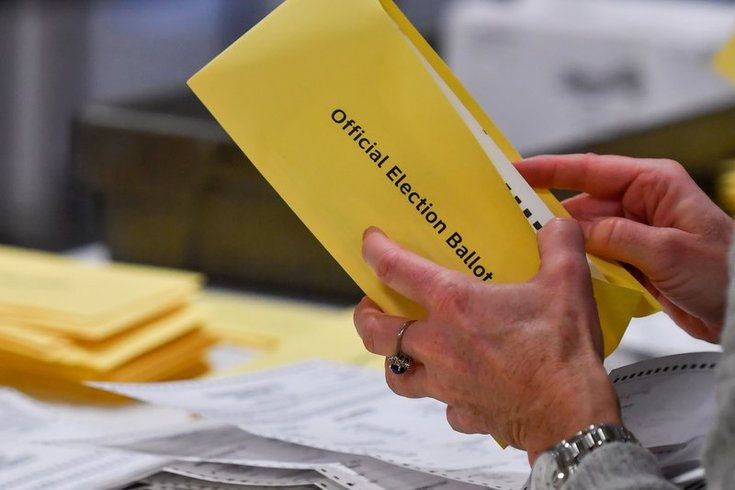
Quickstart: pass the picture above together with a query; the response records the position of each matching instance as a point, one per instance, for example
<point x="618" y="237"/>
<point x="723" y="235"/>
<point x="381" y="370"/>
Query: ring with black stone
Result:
<point x="399" y="362"/>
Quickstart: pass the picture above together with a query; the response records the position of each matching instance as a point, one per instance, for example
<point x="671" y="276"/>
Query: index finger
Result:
<point x="413" y="276"/>
<point x="603" y="176"/>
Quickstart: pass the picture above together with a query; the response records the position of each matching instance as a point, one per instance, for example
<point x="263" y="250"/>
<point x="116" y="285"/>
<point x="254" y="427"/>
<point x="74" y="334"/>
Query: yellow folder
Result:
<point x="356" y="122"/>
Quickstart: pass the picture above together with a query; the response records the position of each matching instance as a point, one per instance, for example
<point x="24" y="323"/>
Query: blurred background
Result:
<point x="101" y="142"/>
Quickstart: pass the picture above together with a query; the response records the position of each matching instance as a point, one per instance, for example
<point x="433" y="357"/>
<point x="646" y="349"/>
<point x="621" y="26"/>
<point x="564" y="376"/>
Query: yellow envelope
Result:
<point x="356" y="122"/>
<point x="724" y="61"/>
<point x="85" y="301"/>
<point x="103" y="356"/>
<point x="180" y="355"/>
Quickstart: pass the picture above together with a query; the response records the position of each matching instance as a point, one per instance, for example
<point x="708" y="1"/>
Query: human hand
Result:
<point x="519" y="361"/>
<point x="649" y="214"/>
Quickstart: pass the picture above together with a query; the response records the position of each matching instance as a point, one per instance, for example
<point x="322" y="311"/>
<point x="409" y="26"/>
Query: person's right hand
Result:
<point x="649" y="214"/>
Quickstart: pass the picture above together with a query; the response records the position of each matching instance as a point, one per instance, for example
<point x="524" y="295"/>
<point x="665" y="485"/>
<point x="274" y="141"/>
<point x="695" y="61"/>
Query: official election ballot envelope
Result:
<point x="724" y="61"/>
<point x="356" y="122"/>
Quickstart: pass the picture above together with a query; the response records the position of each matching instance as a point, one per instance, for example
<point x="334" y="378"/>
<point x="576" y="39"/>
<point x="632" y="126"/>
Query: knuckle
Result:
<point x="444" y="389"/>
<point x="454" y="419"/>
<point x="359" y="314"/>
<point x="450" y="297"/>
<point x="607" y="232"/>
<point x="368" y="333"/>
<point x="462" y="421"/>
<point x="672" y="167"/>
<point x="670" y="246"/>
<point x="387" y="264"/>
<point x="657" y="180"/>
<point x="572" y="265"/>
<point x="368" y="340"/>
<point x="590" y="156"/>
<point x="567" y="263"/>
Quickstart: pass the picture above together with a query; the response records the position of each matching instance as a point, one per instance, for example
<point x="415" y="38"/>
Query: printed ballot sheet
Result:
<point x="344" y="409"/>
<point x="309" y="415"/>
<point x="668" y="403"/>
<point x="171" y="481"/>
<point x="223" y="443"/>
<point x="356" y="122"/>
<point x="327" y="478"/>
<point x="26" y="463"/>
<point x="248" y="475"/>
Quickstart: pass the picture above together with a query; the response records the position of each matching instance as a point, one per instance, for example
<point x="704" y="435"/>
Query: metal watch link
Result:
<point x="568" y="453"/>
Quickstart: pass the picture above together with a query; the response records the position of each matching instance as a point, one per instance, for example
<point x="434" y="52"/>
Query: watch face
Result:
<point x="564" y="464"/>
<point x="545" y="473"/>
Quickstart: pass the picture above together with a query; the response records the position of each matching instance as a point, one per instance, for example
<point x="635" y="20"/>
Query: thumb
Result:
<point x="561" y="249"/>
<point x="564" y="267"/>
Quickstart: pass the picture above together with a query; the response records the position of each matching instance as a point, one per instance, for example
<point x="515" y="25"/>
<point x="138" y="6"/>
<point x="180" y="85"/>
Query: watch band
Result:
<point x="568" y="453"/>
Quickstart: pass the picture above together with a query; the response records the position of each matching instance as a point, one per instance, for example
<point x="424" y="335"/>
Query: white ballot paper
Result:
<point x="215" y="442"/>
<point x="666" y="402"/>
<point x="171" y="481"/>
<point x="344" y="409"/>
<point x="27" y="464"/>
<point x="249" y="475"/>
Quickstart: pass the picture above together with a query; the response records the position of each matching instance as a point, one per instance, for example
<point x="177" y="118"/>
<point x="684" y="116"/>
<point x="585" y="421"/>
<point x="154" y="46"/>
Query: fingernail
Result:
<point x="372" y="229"/>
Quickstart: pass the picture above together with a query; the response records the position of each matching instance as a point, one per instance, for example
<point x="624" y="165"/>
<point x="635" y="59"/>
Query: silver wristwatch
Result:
<point x="569" y="453"/>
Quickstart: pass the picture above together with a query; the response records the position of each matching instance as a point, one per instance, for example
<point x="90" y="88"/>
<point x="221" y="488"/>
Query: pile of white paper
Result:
<point x="329" y="426"/>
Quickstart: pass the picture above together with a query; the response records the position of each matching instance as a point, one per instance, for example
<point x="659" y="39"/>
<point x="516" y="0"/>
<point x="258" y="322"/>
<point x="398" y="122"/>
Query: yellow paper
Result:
<point x="85" y="301"/>
<point x="724" y="62"/>
<point x="293" y="91"/>
<point x="181" y="354"/>
<point x="49" y="346"/>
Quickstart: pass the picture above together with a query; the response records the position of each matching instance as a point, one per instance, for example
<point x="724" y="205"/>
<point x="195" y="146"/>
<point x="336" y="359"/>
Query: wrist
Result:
<point x="568" y="431"/>
<point x="573" y="413"/>
<point x="555" y="466"/>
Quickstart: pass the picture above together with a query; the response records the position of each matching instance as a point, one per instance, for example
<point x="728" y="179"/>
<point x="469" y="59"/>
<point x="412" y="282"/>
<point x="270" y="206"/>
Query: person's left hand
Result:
<point x="519" y="361"/>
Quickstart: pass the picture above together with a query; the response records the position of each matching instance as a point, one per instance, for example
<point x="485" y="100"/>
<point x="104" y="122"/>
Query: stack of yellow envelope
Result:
<point x="63" y="322"/>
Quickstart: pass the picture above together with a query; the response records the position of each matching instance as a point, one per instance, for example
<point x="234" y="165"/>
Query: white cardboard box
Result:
<point x="552" y="73"/>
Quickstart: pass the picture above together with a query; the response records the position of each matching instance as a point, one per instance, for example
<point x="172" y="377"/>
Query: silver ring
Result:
<point x="399" y="362"/>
